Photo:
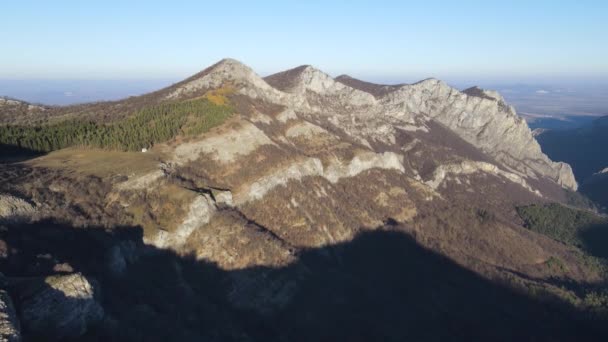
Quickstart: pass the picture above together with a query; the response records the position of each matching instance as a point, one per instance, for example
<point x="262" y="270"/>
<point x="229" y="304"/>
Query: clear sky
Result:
<point x="390" y="40"/>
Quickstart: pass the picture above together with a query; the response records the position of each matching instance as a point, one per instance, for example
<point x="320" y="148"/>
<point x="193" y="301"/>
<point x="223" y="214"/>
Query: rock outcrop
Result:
<point x="199" y="213"/>
<point x="12" y="111"/>
<point x="228" y="229"/>
<point x="9" y="322"/>
<point x="467" y="167"/>
<point x="480" y="117"/>
<point x="483" y="119"/>
<point x="58" y="307"/>
<point x="13" y="209"/>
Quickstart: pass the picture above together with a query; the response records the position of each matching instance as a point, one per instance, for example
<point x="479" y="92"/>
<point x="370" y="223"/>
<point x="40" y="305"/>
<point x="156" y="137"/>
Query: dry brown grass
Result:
<point x="100" y="163"/>
<point x="163" y="208"/>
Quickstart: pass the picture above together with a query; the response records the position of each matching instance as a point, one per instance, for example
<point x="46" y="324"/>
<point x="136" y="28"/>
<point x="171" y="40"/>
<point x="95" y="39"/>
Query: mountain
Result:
<point x="293" y="207"/>
<point x="12" y="108"/>
<point x="584" y="149"/>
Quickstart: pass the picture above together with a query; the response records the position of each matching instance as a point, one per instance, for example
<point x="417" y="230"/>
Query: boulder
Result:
<point x="9" y="323"/>
<point x="58" y="307"/>
<point x="14" y="209"/>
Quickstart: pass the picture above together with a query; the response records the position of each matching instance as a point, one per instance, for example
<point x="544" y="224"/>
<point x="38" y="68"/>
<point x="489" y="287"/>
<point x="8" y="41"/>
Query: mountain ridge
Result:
<point x="250" y="178"/>
<point x="307" y="78"/>
<point x="480" y="117"/>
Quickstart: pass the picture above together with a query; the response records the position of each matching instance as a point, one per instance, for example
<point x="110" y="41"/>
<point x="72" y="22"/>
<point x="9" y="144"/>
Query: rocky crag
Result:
<point x="306" y="163"/>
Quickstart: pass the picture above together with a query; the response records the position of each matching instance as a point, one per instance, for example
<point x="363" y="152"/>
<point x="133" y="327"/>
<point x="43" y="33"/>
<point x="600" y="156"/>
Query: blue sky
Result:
<point x="378" y="40"/>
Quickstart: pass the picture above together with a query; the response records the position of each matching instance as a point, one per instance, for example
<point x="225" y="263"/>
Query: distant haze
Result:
<point x="533" y="101"/>
<point x="64" y="92"/>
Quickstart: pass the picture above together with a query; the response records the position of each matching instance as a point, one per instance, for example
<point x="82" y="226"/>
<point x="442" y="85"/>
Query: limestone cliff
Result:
<point x="480" y="117"/>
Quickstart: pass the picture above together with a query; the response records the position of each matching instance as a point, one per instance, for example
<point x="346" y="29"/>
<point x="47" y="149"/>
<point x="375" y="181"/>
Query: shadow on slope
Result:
<point x="380" y="286"/>
<point x="579" y="228"/>
<point x="596" y="188"/>
<point x="583" y="148"/>
<point x="595" y="239"/>
<point x="12" y="153"/>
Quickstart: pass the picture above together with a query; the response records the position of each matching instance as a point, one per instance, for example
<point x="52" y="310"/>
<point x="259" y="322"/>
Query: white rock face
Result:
<point x="295" y="171"/>
<point x="316" y="81"/>
<point x="226" y="147"/>
<point x="14" y="209"/>
<point x="364" y="162"/>
<point x="304" y="129"/>
<point x="314" y="167"/>
<point x="480" y="117"/>
<point x="286" y="115"/>
<point x="9" y="323"/>
<point x="200" y="212"/>
<point x="9" y="102"/>
<point x="141" y="182"/>
<point x="486" y="122"/>
<point x="228" y="71"/>
<point x="224" y="198"/>
<point x="13" y="103"/>
<point x="63" y="308"/>
<point x="469" y="167"/>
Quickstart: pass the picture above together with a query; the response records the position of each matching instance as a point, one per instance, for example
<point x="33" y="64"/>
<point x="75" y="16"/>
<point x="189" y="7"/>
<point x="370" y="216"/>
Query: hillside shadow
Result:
<point x="595" y="239"/>
<point x="380" y="286"/>
<point x="13" y="154"/>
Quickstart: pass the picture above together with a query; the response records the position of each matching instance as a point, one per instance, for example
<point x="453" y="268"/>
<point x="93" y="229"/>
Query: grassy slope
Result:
<point x="98" y="162"/>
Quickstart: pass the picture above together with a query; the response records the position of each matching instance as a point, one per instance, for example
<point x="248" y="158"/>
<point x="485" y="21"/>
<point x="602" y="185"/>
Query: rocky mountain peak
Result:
<point x="228" y="71"/>
<point x="292" y="171"/>
<point x="480" y="117"/>
<point x="482" y="93"/>
<point x="378" y="90"/>
<point x="305" y="77"/>
<point x="344" y="77"/>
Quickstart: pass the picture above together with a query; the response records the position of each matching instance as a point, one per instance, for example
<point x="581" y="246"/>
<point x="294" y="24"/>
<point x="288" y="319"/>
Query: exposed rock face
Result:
<point x="225" y="147"/>
<point x="483" y="119"/>
<point x="12" y="110"/>
<point x="9" y="323"/>
<point x="305" y="79"/>
<point x="250" y="212"/>
<point x="377" y="90"/>
<point x="9" y="102"/>
<point x="227" y="71"/>
<point x="58" y="307"/>
<point x="330" y="130"/>
<point x="14" y="209"/>
<point x="480" y="117"/>
<point x="200" y="212"/>
<point x="314" y="167"/>
<point x="467" y="167"/>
